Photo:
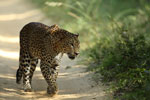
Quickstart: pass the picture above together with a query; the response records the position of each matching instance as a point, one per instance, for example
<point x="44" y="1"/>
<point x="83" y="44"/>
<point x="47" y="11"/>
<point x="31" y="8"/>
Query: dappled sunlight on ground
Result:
<point x="8" y="89"/>
<point x="7" y="43"/>
<point x="20" y="16"/>
<point x="9" y="39"/>
<point x="7" y="76"/>
<point x="9" y="54"/>
<point x="5" y="2"/>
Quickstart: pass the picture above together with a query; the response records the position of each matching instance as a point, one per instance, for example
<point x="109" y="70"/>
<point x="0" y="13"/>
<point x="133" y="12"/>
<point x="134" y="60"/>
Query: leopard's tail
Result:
<point x="18" y="76"/>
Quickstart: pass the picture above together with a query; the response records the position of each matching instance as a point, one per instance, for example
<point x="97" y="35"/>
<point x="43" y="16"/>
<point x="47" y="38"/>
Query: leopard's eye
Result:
<point x="72" y="44"/>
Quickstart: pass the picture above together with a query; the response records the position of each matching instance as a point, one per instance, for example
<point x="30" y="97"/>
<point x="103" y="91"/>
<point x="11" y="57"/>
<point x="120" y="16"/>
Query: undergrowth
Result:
<point x="125" y="63"/>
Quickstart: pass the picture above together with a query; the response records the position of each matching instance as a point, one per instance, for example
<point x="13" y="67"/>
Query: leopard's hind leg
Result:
<point x="19" y="72"/>
<point x="33" y="64"/>
<point x="19" y="75"/>
<point x="24" y="70"/>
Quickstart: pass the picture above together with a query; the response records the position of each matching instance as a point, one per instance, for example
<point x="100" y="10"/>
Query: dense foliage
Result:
<point x="125" y="62"/>
<point x="115" y="37"/>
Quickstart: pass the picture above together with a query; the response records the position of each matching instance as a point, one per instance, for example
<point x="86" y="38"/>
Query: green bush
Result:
<point x="125" y="62"/>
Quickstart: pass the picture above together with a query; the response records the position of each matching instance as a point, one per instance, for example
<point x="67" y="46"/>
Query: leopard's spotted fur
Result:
<point x="39" y="41"/>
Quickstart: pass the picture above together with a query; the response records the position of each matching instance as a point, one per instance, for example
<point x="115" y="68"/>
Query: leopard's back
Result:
<point x="32" y="38"/>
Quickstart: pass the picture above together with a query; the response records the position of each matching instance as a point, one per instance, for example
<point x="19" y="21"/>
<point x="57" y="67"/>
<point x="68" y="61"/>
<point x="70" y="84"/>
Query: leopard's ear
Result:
<point x="77" y="35"/>
<point x="54" y="28"/>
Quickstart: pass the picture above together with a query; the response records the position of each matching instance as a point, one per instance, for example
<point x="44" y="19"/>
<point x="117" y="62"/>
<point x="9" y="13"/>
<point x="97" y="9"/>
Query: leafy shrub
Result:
<point x="126" y="62"/>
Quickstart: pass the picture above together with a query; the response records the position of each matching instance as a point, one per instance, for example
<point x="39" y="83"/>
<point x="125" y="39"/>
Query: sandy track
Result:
<point x="73" y="83"/>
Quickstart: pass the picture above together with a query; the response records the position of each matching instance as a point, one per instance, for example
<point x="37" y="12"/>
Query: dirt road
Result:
<point x="73" y="82"/>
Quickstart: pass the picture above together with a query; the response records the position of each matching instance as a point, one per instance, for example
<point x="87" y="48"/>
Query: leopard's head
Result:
<point x="69" y="42"/>
<point x="72" y="46"/>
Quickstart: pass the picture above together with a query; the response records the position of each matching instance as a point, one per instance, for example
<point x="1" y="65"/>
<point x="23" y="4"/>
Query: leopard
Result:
<point x="42" y="42"/>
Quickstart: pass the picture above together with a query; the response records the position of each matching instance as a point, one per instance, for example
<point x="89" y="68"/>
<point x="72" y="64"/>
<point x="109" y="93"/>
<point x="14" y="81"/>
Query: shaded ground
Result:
<point x="73" y="82"/>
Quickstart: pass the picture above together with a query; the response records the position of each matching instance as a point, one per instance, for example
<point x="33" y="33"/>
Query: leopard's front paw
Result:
<point x="27" y="88"/>
<point x="52" y="90"/>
